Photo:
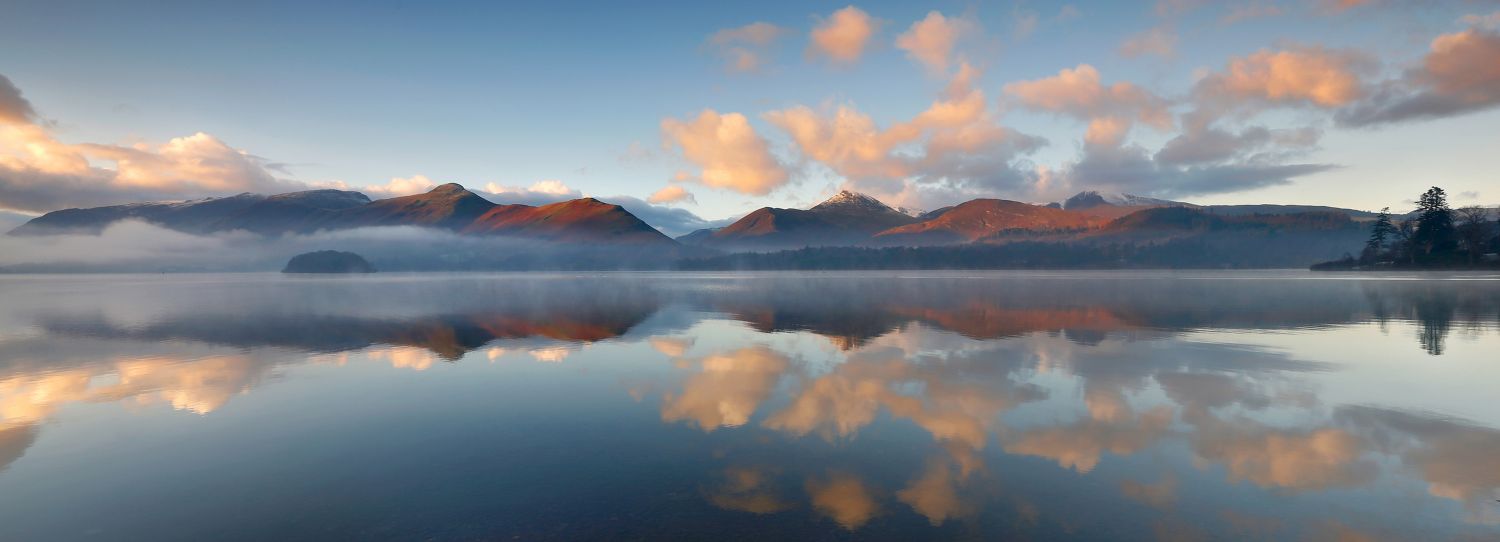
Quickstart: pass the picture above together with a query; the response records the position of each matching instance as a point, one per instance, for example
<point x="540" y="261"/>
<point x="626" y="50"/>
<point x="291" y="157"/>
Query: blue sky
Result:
<point x="576" y="92"/>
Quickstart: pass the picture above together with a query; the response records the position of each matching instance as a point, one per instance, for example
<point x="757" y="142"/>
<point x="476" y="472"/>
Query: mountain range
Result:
<point x="448" y="207"/>
<point x="847" y="219"/>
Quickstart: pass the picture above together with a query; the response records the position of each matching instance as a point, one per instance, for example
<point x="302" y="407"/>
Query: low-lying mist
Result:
<point x="136" y="246"/>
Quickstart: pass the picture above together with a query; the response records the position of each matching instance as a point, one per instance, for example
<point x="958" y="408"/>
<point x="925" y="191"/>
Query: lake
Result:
<point x="871" y="406"/>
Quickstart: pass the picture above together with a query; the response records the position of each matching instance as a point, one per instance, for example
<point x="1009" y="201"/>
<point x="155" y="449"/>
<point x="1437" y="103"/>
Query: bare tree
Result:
<point x="1473" y="230"/>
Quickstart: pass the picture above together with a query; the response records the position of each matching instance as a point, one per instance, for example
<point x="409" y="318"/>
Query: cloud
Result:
<point x="933" y="495"/>
<point x="1460" y="74"/>
<point x="844" y="498"/>
<point x="398" y="186"/>
<point x="672" y="194"/>
<point x="1245" y="12"/>
<point x="747" y="490"/>
<point x="744" y="48"/>
<point x="14" y="109"/>
<point x="843" y="36"/>
<point x="727" y="390"/>
<point x="673" y="221"/>
<point x="1160" y="41"/>
<point x="1339" y="6"/>
<point x="955" y="147"/>
<point x="1300" y="76"/>
<point x="1109" y="110"/>
<point x="730" y="153"/>
<point x="1211" y="145"/>
<point x="1488" y="22"/>
<point x="931" y="40"/>
<point x="539" y="193"/>
<point x="1313" y="460"/>
<point x="39" y="173"/>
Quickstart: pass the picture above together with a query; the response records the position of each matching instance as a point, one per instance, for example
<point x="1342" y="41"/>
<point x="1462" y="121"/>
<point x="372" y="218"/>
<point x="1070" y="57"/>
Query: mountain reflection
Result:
<point x="1030" y="407"/>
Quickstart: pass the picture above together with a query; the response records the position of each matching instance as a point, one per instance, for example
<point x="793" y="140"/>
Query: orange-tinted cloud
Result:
<point x="729" y="152"/>
<point x="727" y="390"/>
<point x="1080" y="446"/>
<point x="931" y="40"/>
<point x="1309" y="75"/>
<point x="1311" y="460"/>
<point x="747" y="490"/>
<point x="933" y="494"/>
<point x="672" y="194"/>
<point x="40" y="173"/>
<point x="1460" y="74"/>
<point x="956" y="143"/>
<point x="843" y="36"/>
<point x="844" y="498"/>
<point x="1110" y="110"/>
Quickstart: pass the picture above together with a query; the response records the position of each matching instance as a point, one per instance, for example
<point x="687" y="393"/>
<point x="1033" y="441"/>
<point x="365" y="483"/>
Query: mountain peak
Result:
<point x="1094" y="198"/>
<point x="448" y="188"/>
<point x="847" y="200"/>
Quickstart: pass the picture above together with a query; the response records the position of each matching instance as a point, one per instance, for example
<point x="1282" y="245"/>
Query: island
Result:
<point x="328" y="261"/>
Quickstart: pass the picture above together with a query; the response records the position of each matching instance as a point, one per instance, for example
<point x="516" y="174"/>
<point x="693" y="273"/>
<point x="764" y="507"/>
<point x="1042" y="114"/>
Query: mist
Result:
<point x="137" y="246"/>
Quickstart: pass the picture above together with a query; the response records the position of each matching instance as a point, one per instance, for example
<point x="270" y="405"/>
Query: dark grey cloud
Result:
<point x="1132" y="169"/>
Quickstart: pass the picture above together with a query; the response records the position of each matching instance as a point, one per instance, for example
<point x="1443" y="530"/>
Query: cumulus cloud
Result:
<point x="931" y="40"/>
<point x="40" y="173"/>
<point x="1109" y="110"/>
<point x="744" y="49"/>
<point x="956" y="146"/>
<point x="672" y="194"/>
<point x="1299" y="76"/>
<point x="728" y="151"/>
<point x="1460" y="74"/>
<point x="1160" y="41"/>
<point x="843" y="36"/>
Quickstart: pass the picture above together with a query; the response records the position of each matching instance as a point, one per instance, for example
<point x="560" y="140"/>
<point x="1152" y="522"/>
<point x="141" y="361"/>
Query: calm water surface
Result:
<point x="896" y="406"/>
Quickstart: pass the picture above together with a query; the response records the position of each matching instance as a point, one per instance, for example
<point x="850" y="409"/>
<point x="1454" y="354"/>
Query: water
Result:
<point x="896" y="406"/>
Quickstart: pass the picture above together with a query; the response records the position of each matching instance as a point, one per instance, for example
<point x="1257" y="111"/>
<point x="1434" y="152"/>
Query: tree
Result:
<point x="1380" y="234"/>
<point x="1406" y="233"/>
<point x="1435" y="238"/>
<point x="1473" y="230"/>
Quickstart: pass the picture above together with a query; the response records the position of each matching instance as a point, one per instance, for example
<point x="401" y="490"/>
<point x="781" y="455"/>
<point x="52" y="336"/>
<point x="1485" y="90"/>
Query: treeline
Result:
<point x="1228" y="251"/>
<point x="1436" y="236"/>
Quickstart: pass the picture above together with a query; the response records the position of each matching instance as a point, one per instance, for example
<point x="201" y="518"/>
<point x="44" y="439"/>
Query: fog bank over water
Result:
<point x="136" y="246"/>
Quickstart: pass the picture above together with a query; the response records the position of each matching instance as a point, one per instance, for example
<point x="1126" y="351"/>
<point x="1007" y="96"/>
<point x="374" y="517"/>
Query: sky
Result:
<point x="707" y="110"/>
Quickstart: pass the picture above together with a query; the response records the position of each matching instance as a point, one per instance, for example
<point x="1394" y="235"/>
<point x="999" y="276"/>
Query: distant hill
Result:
<point x="328" y="262"/>
<point x="847" y="218"/>
<point x="1091" y="228"/>
<point x="579" y="220"/>
<point x="449" y="207"/>
<point x="975" y="219"/>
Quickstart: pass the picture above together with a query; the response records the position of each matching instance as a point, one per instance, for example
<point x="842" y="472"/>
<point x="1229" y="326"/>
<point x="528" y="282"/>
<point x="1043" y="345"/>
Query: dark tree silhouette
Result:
<point x="1380" y="235"/>
<point x="1435" y="238"/>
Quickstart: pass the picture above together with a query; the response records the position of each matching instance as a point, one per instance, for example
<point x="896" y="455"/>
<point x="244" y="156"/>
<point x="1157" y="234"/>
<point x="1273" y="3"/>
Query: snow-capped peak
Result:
<point x="1095" y="198"/>
<point x="846" y="200"/>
